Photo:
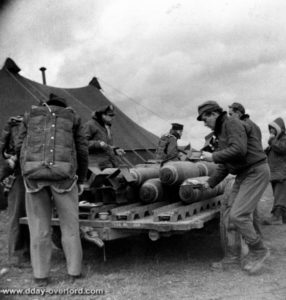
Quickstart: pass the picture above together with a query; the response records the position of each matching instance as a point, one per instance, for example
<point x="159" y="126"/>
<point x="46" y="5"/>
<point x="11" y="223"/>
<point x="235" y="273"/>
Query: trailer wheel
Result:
<point x="222" y="227"/>
<point x="57" y="237"/>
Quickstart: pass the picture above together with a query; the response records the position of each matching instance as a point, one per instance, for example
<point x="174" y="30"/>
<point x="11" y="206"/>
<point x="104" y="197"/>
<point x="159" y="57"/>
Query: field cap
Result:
<point x="56" y="100"/>
<point x="207" y="106"/>
<point x="238" y="106"/>
<point x="107" y="110"/>
<point x="177" y="126"/>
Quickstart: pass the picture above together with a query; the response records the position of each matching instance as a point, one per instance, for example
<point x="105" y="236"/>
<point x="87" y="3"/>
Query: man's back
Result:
<point x="53" y="141"/>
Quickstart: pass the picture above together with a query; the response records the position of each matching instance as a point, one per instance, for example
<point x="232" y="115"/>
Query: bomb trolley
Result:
<point x="101" y="222"/>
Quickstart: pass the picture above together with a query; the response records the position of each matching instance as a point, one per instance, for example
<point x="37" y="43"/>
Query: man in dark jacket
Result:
<point x="100" y="141"/>
<point x="18" y="236"/>
<point x="237" y="110"/>
<point x="167" y="147"/>
<point x="276" y="152"/>
<point x="54" y="158"/>
<point x="240" y="153"/>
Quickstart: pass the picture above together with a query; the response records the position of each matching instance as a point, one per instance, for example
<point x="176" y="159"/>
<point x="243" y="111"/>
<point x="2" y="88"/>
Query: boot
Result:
<point x="254" y="260"/>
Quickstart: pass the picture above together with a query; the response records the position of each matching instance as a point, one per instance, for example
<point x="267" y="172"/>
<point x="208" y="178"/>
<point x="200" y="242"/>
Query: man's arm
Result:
<point x="172" y="148"/>
<point x="279" y="145"/>
<point x="236" y="143"/>
<point x="90" y="133"/>
<point x="220" y="174"/>
<point x="81" y="150"/>
<point x="21" y="136"/>
<point x="4" y="140"/>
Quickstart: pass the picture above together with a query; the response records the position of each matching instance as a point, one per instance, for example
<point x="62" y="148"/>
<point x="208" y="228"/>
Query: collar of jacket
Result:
<point x="175" y="134"/>
<point x="15" y="120"/>
<point x="244" y="117"/>
<point x="219" y="121"/>
<point x="97" y="116"/>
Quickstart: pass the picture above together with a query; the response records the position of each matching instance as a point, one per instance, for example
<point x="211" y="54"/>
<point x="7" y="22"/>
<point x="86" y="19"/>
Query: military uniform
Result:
<point x="167" y="147"/>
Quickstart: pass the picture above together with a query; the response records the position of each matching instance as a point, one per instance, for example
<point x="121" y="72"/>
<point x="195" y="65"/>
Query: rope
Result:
<point x="23" y="86"/>
<point x="133" y="100"/>
<point x="75" y="98"/>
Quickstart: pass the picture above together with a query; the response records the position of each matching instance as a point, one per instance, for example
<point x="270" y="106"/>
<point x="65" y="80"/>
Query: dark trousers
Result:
<point x="246" y="192"/>
<point x="39" y="211"/>
<point x="18" y="235"/>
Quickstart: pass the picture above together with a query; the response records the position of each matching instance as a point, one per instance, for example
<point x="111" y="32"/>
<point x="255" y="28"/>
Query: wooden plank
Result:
<point x="181" y="212"/>
<point x="136" y="212"/>
<point x="147" y="223"/>
<point x="105" y="208"/>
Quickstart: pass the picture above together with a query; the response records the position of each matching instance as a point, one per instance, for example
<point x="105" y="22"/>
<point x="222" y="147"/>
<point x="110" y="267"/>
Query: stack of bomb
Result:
<point x="141" y="174"/>
<point x="171" y="176"/>
<point x="191" y="190"/>
<point x="174" y="173"/>
<point x="144" y="172"/>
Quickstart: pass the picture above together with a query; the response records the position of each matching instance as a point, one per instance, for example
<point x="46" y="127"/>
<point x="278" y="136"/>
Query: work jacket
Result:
<point x="167" y="147"/>
<point x="52" y="146"/>
<point x="239" y="147"/>
<point x="96" y="132"/>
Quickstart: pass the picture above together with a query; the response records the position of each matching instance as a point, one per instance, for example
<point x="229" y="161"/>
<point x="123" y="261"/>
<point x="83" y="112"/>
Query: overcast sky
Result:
<point x="169" y="56"/>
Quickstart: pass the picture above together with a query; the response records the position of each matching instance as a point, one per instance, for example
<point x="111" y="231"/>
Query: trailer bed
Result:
<point x="159" y="218"/>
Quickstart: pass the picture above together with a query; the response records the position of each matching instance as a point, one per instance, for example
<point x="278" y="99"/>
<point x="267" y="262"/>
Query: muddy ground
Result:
<point x="177" y="267"/>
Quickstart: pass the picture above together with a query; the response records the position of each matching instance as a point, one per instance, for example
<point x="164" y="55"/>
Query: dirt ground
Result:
<point x="171" y="268"/>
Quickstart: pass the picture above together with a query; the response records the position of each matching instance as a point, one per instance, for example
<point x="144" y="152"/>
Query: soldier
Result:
<point x="167" y="147"/>
<point x="241" y="154"/>
<point x="18" y="236"/>
<point x="54" y="157"/>
<point x="100" y="141"/>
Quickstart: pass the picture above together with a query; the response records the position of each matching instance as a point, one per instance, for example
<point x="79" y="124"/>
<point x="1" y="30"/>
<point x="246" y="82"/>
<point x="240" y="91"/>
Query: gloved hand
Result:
<point x="103" y="145"/>
<point x="119" y="152"/>
<point x="205" y="185"/>
<point x="12" y="161"/>
<point x="80" y="188"/>
<point x="207" y="156"/>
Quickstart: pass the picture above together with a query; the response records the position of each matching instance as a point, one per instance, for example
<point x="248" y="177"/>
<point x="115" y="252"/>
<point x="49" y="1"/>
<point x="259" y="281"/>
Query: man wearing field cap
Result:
<point x="100" y="140"/>
<point x="241" y="154"/>
<point x="54" y="158"/>
<point x="167" y="147"/>
<point x="236" y="107"/>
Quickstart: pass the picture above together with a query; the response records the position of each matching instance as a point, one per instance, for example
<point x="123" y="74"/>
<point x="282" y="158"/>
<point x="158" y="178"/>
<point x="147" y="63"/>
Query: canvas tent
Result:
<point x="18" y="94"/>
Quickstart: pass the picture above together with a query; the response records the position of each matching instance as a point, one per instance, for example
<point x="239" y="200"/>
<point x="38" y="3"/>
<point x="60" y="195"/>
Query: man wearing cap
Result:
<point x="167" y="147"/>
<point x="241" y="154"/>
<point x="100" y="141"/>
<point x="237" y="110"/>
<point x="54" y="157"/>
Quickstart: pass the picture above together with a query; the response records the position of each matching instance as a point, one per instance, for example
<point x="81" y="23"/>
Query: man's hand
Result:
<point x="12" y="161"/>
<point x="119" y="152"/>
<point x="271" y="138"/>
<point x="207" y="156"/>
<point x="80" y="188"/>
<point x="103" y="145"/>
